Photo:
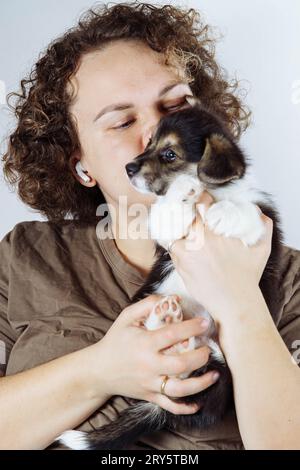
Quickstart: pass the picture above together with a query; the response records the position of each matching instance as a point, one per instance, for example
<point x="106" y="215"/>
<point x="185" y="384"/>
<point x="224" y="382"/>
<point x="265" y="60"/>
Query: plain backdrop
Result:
<point x="260" y="46"/>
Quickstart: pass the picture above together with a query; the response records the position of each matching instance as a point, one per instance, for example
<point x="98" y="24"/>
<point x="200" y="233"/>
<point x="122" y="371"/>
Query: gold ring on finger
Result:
<point x="163" y="385"/>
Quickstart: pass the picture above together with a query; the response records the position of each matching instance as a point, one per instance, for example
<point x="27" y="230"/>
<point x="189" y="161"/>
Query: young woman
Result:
<point x="74" y="350"/>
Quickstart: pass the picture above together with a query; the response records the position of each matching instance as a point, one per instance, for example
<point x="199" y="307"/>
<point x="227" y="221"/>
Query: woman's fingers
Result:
<point x="176" y="332"/>
<point x="266" y="219"/>
<point x="176" y="408"/>
<point x="204" y="202"/>
<point x="269" y="229"/>
<point x="206" y="199"/>
<point x="177" y="388"/>
<point x="139" y="310"/>
<point x="186" y="362"/>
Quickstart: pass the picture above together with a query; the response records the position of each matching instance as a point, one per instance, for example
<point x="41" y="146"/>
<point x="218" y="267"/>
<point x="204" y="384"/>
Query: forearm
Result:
<point x="266" y="380"/>
<point x="37" y="405"/>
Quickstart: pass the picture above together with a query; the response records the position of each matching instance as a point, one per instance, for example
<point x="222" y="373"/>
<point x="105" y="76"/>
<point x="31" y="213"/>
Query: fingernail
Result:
<point x="215" y="376"/>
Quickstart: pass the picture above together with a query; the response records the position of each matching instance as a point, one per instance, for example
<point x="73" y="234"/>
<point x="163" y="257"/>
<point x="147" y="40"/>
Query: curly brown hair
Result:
<point x="39" y="149"/>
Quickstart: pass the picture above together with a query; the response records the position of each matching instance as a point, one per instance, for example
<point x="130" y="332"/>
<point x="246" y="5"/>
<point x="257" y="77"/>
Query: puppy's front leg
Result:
<point x="173" y="213"/>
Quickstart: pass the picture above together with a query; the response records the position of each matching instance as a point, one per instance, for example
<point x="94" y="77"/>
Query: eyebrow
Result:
<point x="122" y="106"/>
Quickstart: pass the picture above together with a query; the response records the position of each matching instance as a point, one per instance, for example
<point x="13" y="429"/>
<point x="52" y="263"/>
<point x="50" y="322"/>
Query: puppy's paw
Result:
<point x="223" y="218"/>
<point x="166" y="310"/>
<point x="170" y="221"/>
<point x="239" y="220"/>
<point x="172" y="214"/>
<point x="184" y="188"/>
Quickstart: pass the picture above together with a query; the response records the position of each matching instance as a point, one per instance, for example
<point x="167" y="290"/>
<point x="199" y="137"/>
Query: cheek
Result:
<point x="115" y="154"/>
<point x="109" y="167"/>
<point x="108" y="157"/>
<point x="105" y="157"/>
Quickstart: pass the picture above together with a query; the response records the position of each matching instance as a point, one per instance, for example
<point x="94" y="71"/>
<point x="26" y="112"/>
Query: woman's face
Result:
<point x="129" y="74"/>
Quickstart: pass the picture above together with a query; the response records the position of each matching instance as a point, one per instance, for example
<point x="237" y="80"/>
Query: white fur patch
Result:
<point x="172" y="214"/>
<point x="232" y="219"/>
<point x="75" y="440"/>
<point x="216" y="351"/>
<point x="138" y="182"/>
<point x="148" y="410"/>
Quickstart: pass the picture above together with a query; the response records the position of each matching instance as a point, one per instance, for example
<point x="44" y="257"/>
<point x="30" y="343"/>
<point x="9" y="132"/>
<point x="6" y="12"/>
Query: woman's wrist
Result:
<point x="229" y="310"/>
<point x="244" y="320"/>
<point x="95" y="375"/>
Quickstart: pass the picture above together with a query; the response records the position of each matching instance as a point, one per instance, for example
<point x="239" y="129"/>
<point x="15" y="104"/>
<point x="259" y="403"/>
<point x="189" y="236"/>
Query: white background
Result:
<point x="260" y="46"/>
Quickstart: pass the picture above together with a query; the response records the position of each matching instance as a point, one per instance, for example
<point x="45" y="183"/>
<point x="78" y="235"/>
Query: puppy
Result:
<point x="191" y="150"/>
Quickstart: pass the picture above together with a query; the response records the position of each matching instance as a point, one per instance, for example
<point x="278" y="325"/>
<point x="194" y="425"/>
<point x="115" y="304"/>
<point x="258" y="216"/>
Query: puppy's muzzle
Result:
<point x="132" y="168"/>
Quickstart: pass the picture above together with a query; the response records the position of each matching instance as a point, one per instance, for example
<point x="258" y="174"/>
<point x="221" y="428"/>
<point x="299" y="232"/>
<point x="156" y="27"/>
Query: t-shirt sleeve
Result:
<point x="289" y="326"/>
<point x="8" y="335"/>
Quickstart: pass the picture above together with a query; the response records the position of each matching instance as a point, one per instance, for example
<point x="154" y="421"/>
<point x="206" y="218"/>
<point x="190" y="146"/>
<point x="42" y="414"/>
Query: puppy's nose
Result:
<point x="132" y="168"/>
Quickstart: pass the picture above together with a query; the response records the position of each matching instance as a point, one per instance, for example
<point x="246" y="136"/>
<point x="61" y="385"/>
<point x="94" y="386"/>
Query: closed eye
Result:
<point x="175" y="106"/>
<point x="126" y="124"/>
<point x="178" y="105"/>
<point x="123" y="126"/>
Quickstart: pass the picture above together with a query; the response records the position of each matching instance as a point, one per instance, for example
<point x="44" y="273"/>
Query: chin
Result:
<point x="137" y="197"/>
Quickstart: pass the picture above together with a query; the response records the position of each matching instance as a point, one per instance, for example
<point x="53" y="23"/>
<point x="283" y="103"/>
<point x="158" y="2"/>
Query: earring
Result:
<point x="81" y="172"/>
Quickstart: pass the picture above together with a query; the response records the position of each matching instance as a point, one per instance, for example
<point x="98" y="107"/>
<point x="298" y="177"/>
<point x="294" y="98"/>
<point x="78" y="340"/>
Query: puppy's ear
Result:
<point x="221" y="161"/>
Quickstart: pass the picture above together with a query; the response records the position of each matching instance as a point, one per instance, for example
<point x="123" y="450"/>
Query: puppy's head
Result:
<point x="191" y="141"/>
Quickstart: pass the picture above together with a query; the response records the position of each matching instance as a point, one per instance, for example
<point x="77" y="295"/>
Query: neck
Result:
<point x="133" y="241"/>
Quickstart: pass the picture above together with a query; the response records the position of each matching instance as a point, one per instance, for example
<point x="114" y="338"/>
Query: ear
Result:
<point x="74" y="158"/>
<point x="221" y="161"/>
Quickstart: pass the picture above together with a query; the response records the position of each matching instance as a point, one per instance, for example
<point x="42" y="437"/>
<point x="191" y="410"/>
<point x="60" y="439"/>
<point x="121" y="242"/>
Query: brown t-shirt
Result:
<point x="62" y="287"/>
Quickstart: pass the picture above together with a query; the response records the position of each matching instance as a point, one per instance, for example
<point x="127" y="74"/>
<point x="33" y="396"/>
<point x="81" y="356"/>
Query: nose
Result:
<point x="132" y="168"/>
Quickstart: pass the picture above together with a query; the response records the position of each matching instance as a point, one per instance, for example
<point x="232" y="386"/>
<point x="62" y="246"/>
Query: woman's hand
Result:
<point x="220" y="272"/>
<point x="134" y="365"/>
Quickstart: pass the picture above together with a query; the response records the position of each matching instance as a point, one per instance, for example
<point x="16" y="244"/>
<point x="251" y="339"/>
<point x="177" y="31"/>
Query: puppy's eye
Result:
<point x="168" y="155"/>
